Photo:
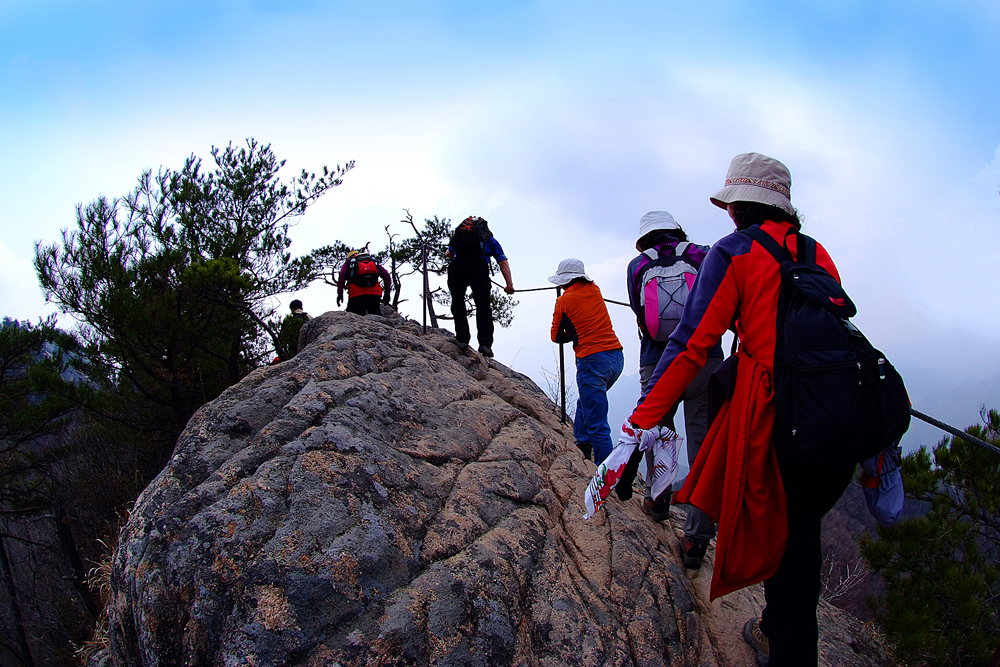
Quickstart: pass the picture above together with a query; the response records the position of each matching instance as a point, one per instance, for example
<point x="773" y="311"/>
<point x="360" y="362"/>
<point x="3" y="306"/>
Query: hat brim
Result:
<point x="561" y="279"/>
<point x="754" y="193"/>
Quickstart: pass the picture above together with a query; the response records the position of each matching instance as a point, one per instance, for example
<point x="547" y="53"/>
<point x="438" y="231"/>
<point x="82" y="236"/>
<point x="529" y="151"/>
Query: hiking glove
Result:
<point x="340" y="299"/>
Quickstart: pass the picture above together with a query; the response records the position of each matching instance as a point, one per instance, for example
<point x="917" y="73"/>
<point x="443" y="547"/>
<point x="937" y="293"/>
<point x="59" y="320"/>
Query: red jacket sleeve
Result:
<point x="342" y="280"/>
<point x="386" y="279"/>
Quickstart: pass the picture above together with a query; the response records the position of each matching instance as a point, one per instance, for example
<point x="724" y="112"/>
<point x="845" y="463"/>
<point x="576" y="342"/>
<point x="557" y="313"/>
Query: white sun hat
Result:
<point x="656" y="220"/>
<point x="569" y="269"/>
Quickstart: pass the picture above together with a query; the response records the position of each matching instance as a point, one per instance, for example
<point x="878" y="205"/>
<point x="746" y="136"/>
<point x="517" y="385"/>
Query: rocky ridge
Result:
<point x="384" y="498"/>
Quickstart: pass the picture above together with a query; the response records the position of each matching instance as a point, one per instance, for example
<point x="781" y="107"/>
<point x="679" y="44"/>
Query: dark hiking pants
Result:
<point x="463" y="274"/>
<point x="792" y="594"/>
<point x="364" y="304"/>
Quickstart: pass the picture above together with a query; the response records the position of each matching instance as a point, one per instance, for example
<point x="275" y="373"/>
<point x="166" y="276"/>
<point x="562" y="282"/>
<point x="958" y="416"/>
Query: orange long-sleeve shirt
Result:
<point x="581" y="317"/>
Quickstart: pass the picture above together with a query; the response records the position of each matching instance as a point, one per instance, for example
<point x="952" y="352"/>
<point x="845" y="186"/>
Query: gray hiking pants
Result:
<point x="698" y="525"/>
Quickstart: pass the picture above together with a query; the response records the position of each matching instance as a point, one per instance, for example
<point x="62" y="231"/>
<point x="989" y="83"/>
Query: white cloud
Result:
<point x="563" y="157"/>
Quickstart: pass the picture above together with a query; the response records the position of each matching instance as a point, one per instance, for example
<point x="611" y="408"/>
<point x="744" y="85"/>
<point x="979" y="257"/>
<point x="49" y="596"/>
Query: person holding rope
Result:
<point x="582" y="318"/>
<point x="470" y="249"/>
<point x="658" y="281"/>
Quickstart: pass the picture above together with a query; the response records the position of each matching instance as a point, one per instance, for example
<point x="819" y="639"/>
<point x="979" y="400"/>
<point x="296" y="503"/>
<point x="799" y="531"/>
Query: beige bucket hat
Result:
<point x="758" y="178"/>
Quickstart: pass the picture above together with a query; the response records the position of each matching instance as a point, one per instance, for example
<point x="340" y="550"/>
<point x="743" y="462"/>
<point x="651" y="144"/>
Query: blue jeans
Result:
<point x="595" y="374"/>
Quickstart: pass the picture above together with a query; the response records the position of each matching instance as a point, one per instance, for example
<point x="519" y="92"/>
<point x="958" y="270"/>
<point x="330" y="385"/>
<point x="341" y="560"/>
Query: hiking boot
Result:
<point x="757" y="640"/>
<point x="694" y="552"/>
<point x="486" y="351"/>
<point x="462" y="346"/>
<point x="658" y="510"/>
<point x="587" y="449"/>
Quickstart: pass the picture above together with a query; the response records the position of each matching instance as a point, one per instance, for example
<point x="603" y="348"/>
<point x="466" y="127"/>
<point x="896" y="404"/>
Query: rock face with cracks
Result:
<point x="384" y="498"/>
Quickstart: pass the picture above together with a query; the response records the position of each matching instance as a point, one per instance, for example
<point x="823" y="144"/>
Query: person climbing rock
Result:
<point x="769" y="511"/>
<point x="659" y="280"/>
<point x="288" y="335"/>
<point x="471" y="246"/>
<point x="582" y="318"/>
<point x="360" y="274"/>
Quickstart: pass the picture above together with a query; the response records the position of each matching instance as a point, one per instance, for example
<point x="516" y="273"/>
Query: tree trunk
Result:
<point x="8" y="577"/>
<point x="427" y="295"/>
<point x="77" y="578"/>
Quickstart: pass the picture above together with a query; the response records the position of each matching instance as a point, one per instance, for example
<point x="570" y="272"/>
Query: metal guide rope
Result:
<point x="993" y="449"/>
<point x="542" y="289"/>
<point x="955" y="432"/>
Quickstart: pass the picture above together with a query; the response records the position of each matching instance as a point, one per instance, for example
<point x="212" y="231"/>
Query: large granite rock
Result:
<point x="383" y="499"/>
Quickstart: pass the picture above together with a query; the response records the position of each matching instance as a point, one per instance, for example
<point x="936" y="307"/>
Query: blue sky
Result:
<point x="560" y="122"/>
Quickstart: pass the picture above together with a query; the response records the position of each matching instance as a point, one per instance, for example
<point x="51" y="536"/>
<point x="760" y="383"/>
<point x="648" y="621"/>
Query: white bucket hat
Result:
<point x="656" y="220"/>
<point x="569" y="269"/>
<point x="757" y="178"/>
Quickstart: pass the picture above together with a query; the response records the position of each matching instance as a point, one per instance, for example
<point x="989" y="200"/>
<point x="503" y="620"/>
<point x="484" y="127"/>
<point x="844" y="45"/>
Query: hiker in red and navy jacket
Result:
<point x="768" y="512"/>
<point x="661" y="237"/>
<point x="363" y="295"/>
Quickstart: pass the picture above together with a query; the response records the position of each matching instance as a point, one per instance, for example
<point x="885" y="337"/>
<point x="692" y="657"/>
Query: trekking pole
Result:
<point x="423" y="253"/>
<point x="562" y="371"/>
<point x="955" y="432"/>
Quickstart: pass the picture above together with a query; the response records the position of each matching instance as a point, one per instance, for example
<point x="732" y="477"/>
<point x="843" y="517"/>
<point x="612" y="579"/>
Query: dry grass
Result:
<point x="99" y="582"/>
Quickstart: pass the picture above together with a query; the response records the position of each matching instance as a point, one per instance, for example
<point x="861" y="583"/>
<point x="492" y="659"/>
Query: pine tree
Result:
<point x="942" y="569"/>
<point x="174" y="283"/>
<point x="31" y="359"/>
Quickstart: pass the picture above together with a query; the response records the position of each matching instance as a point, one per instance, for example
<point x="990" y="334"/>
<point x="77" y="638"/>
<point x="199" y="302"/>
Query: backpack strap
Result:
<point x="779" y="253"/>
<point x="805" y="246"/>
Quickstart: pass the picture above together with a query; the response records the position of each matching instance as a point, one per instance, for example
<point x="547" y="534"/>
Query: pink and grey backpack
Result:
<point x="664" y="282"/>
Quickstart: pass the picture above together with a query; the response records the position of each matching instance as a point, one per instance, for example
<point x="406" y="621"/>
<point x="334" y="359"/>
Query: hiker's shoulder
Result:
<point x="731" y="245"/>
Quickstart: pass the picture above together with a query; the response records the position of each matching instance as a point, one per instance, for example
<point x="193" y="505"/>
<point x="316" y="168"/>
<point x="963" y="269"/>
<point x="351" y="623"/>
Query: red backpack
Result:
<point x="362" y="270"/>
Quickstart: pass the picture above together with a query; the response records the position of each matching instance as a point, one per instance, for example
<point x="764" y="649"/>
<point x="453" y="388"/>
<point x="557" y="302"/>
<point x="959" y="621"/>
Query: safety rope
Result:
<point x="955" y="432"/>
<point x="919" y="415"/>
<point x="542" y="289"/>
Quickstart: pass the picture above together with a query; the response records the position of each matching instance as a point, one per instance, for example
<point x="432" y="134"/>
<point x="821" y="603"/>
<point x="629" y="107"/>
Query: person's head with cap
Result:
<point x="569" y="270"/>
<point x="757" y="188"/>
<point x="295" y="305"/>
<point x="658" y="227"/>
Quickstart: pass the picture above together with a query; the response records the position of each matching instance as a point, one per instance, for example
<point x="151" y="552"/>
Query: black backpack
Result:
<point x="838" y="400"/>
<point x="469" y="238"/>
<point x="362" y="270"/>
